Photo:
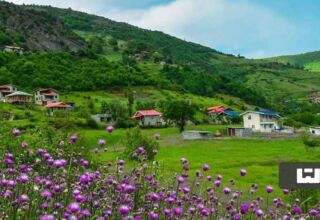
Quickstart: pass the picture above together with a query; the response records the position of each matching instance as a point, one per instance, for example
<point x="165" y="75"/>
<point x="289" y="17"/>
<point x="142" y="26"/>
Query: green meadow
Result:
<point x="225" y="156"/>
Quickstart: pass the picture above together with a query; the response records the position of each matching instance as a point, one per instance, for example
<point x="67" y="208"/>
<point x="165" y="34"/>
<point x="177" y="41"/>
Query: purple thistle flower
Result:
<point x="180" y="179"/>
<point x="177" y="211"/>
<point x="244" y="208"/>
<point x="243" y="172"/>
<point x="46" y="194"/>
<point x="227" y="190"/>
<point x="121" y="162"/>
<point x="313" y="212"/>
<point x="205" y="167"/>
<point x="47" y="217"/>
<point x="85" y="178"/>
<point x="74" y="138"/>
<point x="24" y="145"/>
<point x="85" y="213"/>
<point x="129" y="188"/>
<point x="124" y="210"/>
<point x="110" y="129"/>
<point x="24" y="198"/>
<point x="15" y="132"/>
<point x="74" y="207"/>
<point x="23" y="178"/>
<point x="153" y="215"/>
<point x="141" y="150"/>
<point x="285" y="191"/>
<point x="269" y="189"/>
<point x="157" y="136"/>
<point x="297" y="210"/>
<point x="259" y="213"/>
<point x="219" y="177"/>
<point x="217" y="183"/>
<point x="101" y="142"/>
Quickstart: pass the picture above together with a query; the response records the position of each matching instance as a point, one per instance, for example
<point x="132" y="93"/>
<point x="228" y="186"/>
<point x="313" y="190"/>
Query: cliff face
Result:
<point x="35" y="30"/>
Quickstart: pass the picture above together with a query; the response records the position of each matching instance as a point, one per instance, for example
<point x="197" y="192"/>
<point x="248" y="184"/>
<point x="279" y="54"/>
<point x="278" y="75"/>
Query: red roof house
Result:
<point x="60" y="105"/>
<point x="216" y="109"/>
<point x="52" y="107"/>
<point x="148" y="118"/>
<point x="46" y="96"/>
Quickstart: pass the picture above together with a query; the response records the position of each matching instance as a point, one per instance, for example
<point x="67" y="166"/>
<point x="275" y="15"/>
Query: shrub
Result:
<point x="134" y="139"/>
<point x="90" y="123"/>
<point x="310" y="141"/>
<point x="125" y="123"/>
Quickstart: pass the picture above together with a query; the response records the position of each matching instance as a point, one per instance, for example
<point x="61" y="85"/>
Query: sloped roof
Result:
<point x="214" y="109"/>
<point x="230" y="113"/>
<point x="264" y="112"/>
<point x="19" y="93"/>
<point x="46" y="89"/>
<point x="57" y="105"/>
<point x="150" y="112"/>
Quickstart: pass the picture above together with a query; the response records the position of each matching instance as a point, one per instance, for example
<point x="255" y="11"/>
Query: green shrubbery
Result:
<point x="134" y="139"/>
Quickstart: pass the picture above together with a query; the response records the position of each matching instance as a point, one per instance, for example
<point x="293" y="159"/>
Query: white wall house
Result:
<point x="6" y="90"/>
<point x="261" y="121"/>
<point x="46" y="96"/>
<point x="149" y="118"/>
<point x="315" y="131"/>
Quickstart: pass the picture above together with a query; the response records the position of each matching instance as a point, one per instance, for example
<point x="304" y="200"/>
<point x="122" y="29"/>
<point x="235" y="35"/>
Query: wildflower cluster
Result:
<point x="57" y="187"/>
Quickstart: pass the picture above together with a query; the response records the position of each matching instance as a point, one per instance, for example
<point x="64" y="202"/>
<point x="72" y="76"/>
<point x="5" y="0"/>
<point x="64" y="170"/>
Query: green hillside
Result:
<point x="309" y="61"/>
<point x="118" y="54"/>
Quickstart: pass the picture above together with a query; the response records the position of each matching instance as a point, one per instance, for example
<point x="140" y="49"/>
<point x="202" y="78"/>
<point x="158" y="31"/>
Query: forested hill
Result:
<point x="309" y="61"/>
<point x="35" y="30"/>
<point x="115" y="54"/>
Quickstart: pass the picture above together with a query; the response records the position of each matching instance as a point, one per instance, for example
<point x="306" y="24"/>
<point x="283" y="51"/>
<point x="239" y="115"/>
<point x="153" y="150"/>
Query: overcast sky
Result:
<point x="253" y="28"/>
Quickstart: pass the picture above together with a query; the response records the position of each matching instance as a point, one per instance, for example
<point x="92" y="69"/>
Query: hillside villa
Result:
<point x="221" y="114"/>
<point x="46" y="96"/>
<point x="19" y="98"/>
<point x="261" y="121"/>
<point x="6" y="90"/>
<point x="57" y="106"/>
<point x="149" y="118"/>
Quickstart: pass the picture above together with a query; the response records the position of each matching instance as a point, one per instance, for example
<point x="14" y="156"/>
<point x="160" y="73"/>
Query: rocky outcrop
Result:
<point x="36" y="30"/>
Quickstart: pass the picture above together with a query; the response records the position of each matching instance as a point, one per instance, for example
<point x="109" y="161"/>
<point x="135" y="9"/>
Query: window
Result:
<point x="249" y="117"/>
<point x="253" y="126"/>
<point x="313" y="132"/>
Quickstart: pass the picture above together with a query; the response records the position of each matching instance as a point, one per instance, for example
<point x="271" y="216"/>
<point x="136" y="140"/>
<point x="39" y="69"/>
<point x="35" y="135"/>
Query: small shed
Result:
<point x="315" y="131"/>
<point x="197" y="135"/>
<point x="102" y="118"/>
<point x="239" y="132"/>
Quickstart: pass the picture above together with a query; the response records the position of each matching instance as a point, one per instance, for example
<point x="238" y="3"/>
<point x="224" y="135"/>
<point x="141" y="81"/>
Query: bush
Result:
<point x="125" y="123"/>
<point x="90" y="123"/>
<point x="309" y="141"/>
<point x="134" y="139"/>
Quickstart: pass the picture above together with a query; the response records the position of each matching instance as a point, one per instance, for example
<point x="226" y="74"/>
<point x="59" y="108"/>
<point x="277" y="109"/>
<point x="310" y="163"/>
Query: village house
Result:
<point x="6" y="90"/>
<point x="19" y="98"/>
<point x="107" y="118"/>
<point x="221" y="114"/>
<point x="46" y="96"/>
<point x="149" y="118"/>
<point x="12" y="48"/>
<point x="315" y="131"/>
<point x="57" y="106"/>
<point x="261" y="121"/>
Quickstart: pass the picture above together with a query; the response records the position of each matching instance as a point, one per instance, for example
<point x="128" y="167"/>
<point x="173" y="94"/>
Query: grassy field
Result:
<point x="226" y="157"/>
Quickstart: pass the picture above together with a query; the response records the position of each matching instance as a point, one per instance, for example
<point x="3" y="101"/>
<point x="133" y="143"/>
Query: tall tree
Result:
<point x="179" y="111"/>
